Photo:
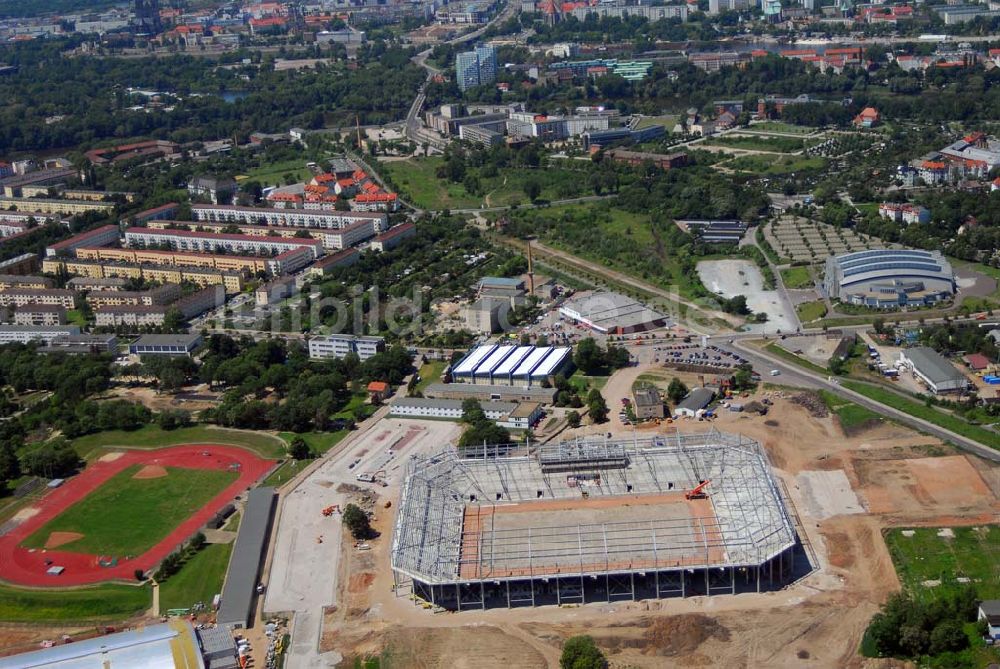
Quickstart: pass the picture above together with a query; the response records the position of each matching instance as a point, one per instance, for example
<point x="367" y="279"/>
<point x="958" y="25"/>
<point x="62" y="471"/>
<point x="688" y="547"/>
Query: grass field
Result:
<point x="102" y="603"/>
<point x="850" y="415"/>
<point x="128" y="516"/>
<point x="919" y="410"/>
<point x="811" y="311"/>
<point x="417" y="182"/>
<point x="796" y="277"/>
<point x="775" y="165"/>
<point x="667" y="122"/>
<point x="319" y="442"/>
<point x="75" y="317"/>
<point x="973" y="553"/>
<point x="199" y="580"/>
<point x="758" y="142"/>
<point x="430" y="373"/>
<point x="778" y="126"/>
<point x="275" y="173"/>
<point x="776" y="350"/>
<point x="151" y="436"/>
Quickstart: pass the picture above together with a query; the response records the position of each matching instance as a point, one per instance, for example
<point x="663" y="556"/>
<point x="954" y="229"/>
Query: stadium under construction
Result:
<point x="596" y="520"/>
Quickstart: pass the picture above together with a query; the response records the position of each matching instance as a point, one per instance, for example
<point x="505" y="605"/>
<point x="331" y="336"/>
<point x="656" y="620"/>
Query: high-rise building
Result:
<point x="147" y="16"/>
<point x="467" y="70"/>
<point x="475" y="68"/>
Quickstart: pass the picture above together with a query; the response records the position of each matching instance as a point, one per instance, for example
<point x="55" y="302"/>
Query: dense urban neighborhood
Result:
<point x="499" y="333"/>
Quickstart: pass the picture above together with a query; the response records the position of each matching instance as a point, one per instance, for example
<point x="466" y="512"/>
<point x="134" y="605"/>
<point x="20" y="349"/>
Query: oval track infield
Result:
<point x="30" y="566"/>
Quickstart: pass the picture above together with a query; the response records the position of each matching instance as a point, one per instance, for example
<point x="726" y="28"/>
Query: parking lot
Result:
<point x="695" y="354"/>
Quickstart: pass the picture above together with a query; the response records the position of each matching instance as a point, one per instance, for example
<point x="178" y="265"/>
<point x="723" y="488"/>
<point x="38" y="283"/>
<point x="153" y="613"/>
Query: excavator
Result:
<point x="698" y="492"/>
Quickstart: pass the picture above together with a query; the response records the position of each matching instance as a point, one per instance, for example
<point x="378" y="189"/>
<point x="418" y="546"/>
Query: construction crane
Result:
<point x="698" y="492"/>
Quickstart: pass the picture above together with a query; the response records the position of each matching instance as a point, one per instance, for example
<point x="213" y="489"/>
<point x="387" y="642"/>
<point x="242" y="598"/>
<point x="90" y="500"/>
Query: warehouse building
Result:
<point x="934" y="370"/>
<point x="715" y="232"/>
<point x="494" y="364"/>
<point x="695" y="402"/>
<point x="240" y="589"/>
<point x="889" y="278"/>
<point x="464" y="391"/>
<point x="165" y="344"/>
<point x="170" y="645"/>
<point x="613" y="313"/>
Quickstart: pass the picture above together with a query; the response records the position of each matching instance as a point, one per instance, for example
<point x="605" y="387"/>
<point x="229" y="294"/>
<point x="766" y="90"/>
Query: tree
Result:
<point x="357" y="522"/>
<point x="532" y="189"/>
<point x="197" y="541"/>
<point x="53" y="459"/>
<point x="948" y="637"/>
<point x="597" y="407"/>
<point x="573" y="419"/>
<point x="171" y="419"/>
<point x="580" y="652"/>
<point x="676" y="391"/>
<point x="299" y="449"/>
<point x="589" y="357"/>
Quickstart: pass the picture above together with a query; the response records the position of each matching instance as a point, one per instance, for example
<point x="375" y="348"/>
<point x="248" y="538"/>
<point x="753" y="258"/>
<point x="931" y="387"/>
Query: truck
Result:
<point x="775" y="372"/>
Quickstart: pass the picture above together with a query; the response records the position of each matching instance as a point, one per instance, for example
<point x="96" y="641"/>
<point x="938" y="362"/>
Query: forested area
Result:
<point x="91" y="93"/>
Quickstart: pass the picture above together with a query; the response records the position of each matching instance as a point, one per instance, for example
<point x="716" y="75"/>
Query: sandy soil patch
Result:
<point x="57" y="539"/>
<point x="151" y="472"/>
<point x="950" y="481"/>
<point x="110" y="457"/>
<point x="24" y="514"/>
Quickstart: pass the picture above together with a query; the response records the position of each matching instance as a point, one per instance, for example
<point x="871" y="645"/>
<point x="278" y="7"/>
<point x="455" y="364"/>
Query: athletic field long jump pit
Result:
<point x="126" y="511"/>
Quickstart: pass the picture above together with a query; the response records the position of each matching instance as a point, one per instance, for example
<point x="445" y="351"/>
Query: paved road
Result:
<point x="801" y="377"/>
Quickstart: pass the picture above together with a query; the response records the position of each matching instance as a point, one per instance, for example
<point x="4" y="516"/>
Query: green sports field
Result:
<point x="128" y="516"/>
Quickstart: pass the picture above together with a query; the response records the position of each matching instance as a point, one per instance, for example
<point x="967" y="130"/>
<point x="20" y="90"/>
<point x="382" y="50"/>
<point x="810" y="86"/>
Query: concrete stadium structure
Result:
<point x="889" y="278"/>
<point x="587" y="521"/>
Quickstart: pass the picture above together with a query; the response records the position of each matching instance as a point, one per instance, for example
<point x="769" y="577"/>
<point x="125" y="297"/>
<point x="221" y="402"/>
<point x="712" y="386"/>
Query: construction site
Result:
<point x="594" y="520"/>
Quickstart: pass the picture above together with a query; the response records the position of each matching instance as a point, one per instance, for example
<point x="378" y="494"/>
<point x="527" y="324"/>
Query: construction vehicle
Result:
<point x="330" y="510"/>
<point x="698" y="492"/>
<point x="373" y="477"/>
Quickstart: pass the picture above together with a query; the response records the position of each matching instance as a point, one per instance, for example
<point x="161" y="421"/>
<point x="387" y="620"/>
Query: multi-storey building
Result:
<point x="15" y="281"/>
<point x="19" y="297"/>
<point x="339" y="345"/>
<point x="228" y="263"/>
<point x="326" y="264"/>
<point x="102" y="236"/>
<point x="161" y="295"/>
<point x="295" y="218"/>
<point x="40" y="314"/>
<point x="477" y="67"/>
<point x="210" y="242"/>
<point x="44" y="206"/>
<point x="393" y="237"/>
<point x="349" y="236"/>
<point x="23" y="334"/>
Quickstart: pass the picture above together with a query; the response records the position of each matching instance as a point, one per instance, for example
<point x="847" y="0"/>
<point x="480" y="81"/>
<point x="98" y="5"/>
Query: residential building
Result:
<point x="868" y="118"/>
<point x="295" y="218"/>
<point x="128" y="315"/>
<point x="218" y="190"/>
<point x="343" y="258"/>
<point x="19" y="297"/>
<point x="695" y="403"/>
<point x="163" y="212"/>
<point x="348" y="236"/>
<point x="934" y="370"/>
<point x="665" y="161"/>
<point x="40" y="314"/>
<point x="375" y="202"/>
<point x="8" y="281"/>
<point x="394" y="237"/>
<point x="105" y="276"/>
<point x="23" y="334"/>
<point x="15" y="185"/>
<point x="26" y="263"/>
<point x="105" y="235"/>
<point x="339" y="345"/>
<point x="165" y="344"/>
<point x="274" y="291"/>
<point x="208" y="242"/>
<point x="646" y="403"/>
<point x="476" y="68"/>
<point x="47" y="206"/>
<point x="718" y="6"/>
<point x="955" y="14"/>
<point x="161" y="295"/>
<point x="86" y="283"/>
<point x="230" y="263"/>
<point x="904" y="213"/>
<point x="989" y="611"/>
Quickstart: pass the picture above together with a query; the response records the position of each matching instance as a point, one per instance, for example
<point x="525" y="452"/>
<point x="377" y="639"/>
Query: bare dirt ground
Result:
<point x="196" y="400"/>
<point x="151" y="472"/>
<point x="898" y="476"/>
<point x="57" y="539"/>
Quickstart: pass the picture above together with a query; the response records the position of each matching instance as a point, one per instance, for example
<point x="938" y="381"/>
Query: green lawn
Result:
<point x="667" y="122"/>
<point x="319" y="442"/>
<point x="778" y="126"/>
<point x="850" y="415"/>
<point x="584" y="383"/>
<point x="286" y="471"/>
<point x="796" y="277"/>
<point x="776" y="165"/>
<point x="151" y="436"/>
<point x="811" y="311"/>
<point x="758" y="142"/>
<point x="128" y="516"/>
<point x="101" y="603"/>
<point x="430" y="373"/>
<point x="973" y="553"/>
<point x="75" y="317"/>
<point x="776" y="350"/>
<point x="199" y="580"/>
<point x="417" y="182"/>
<point x="948" y="421"/>
<point x="274" y="174"/>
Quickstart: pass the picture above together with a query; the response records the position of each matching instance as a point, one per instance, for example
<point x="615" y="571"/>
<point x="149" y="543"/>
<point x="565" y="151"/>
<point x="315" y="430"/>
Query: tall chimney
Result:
<point x="531" y="271"/>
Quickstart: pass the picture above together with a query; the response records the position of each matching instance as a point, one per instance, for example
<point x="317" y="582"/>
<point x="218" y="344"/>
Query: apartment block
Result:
<point x="102" y="236"/>
<point x="349" y="236"/>
<point x="394" y="237"/>
<point x="46" y="206"/>
<point x="15" y="281"/>
<point x="19" y="297"/>
<point x="23" y="334"/>
<point x="229" y="263"/>
<point x="159" y="296"/>
<point x="326" y="264"/>
<point x="40" y="314"/>
<point x="209" y="242"/>
<point x="295" y="218"/>
<point x="339" y="345"/>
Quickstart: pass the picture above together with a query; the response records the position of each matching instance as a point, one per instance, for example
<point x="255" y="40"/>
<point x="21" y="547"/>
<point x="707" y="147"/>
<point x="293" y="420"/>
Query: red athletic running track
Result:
<point x="27" y="567"/>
